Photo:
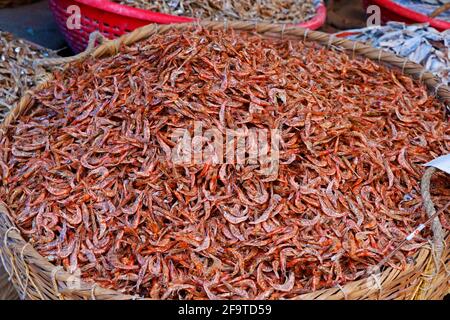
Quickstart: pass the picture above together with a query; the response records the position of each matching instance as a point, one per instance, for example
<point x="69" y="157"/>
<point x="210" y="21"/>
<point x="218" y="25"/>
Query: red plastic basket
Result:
<point x="113" y="19"/>
<point x="391" y="11"/>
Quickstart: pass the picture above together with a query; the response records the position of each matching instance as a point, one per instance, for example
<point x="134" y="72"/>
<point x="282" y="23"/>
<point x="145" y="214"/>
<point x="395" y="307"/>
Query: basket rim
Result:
<point x="147" y="15"/>
<point x="111" y="47"/>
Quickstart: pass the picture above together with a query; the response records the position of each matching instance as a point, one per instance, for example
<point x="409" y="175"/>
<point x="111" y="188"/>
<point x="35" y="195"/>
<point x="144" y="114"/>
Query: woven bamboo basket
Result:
<point x="7" y="291"/>
<point x="426" y="278"/>
<point x="14" y="3"/>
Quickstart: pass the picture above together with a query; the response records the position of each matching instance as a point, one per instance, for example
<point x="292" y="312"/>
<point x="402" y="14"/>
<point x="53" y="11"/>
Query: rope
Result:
<point x="93" y="291"/>
<point x="8" y="251"/>
<point x="421" y="74"/>
<point x="305" y="35"/>
<point x="379" y="285"/>
<point x="353" y="49"/>
<point x="379" y="55"/>
<point x="27" y="270"/>
<point x="54" y="281"/>
<point x="404" y="65"/>
<point x="93" y="38"/>
<point x="436" y="89"/>
<point x="330" y="41"/>
<point x="431" y="211"/>
<point x="343" y="291"/>
<point x="436" y="260"/>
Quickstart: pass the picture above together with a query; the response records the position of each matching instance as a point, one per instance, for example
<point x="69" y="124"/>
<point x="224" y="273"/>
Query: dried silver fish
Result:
<point x="17" y="73"/>
<point x="419" y="43"/>
<point x="426" y="7"/>
<point x="273" y="11"/>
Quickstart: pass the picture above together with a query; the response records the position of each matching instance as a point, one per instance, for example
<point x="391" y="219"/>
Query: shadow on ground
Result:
<point x="33" y="22"/>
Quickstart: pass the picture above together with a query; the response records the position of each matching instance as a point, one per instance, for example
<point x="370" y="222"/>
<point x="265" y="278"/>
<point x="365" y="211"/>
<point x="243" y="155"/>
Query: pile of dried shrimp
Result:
<point x="87" y="174"/>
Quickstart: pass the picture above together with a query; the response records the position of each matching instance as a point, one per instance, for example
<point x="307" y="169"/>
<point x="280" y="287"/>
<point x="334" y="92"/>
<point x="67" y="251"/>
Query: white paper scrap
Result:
<point x="441" y="163"/>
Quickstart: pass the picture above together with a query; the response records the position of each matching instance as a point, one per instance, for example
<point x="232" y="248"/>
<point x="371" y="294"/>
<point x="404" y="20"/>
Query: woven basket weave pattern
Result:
<point x="7" y="291"/>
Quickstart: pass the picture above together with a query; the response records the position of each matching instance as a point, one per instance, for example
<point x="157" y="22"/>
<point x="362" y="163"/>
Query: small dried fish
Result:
<point x="426" y="7"/>
<point x="419" y="43"/>
<point x="17" y="73"/>
<point x="283" y="11"/>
